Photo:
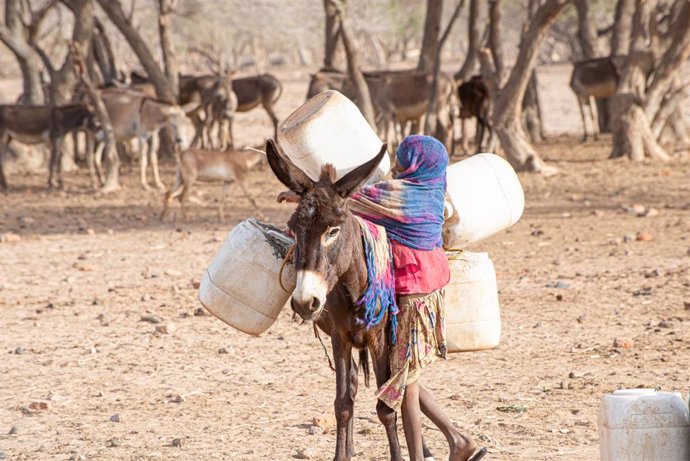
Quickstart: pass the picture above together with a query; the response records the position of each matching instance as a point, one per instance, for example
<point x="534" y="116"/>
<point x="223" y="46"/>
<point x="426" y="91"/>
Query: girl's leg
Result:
<point x="461" y="446"/>
<point x="412" y="421"/>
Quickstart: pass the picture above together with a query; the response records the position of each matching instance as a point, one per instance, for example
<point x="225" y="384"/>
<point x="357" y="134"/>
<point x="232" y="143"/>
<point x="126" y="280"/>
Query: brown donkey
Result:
<point x="331" y="276"/>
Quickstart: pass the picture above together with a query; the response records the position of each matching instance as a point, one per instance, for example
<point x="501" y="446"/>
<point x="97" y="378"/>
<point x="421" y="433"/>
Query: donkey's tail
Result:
<point x="364" y="364"/>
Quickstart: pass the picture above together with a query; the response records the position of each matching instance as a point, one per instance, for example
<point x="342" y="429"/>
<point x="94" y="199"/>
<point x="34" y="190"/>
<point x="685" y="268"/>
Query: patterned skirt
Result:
<point x="420" y="340"/>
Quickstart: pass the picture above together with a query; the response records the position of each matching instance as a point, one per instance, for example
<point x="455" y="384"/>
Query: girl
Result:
<point x="411" y="209"/>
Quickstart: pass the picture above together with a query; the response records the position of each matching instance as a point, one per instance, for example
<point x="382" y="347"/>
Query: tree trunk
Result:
<point x="508" y="101"/>
<point x="530" y="103"/>
<point x="622" y="28"/>
<point x="166" y="8"/>
<point x="14" y="36"/>
<point x="113" y="8"/>
<point x="333" y="47"/>
<point x="635" y="103"/>
<point x="532" y="111"/>
<point x="474" y="36"/>
<point x="587" y="32"/>
<point x="112" y="159"/>
<point x="495" y="44"/>
<point x="63" y="80"/>
<point x="430" y="122"/>
<point x="102" y="51"/>
<point x="353" y="66"/>
<point x="432" y="29"/>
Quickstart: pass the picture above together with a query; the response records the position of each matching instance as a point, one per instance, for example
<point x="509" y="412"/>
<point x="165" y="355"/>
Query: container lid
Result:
<point x="635" y="392"/>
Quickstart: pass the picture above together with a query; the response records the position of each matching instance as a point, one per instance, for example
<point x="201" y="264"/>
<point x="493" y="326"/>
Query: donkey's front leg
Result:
<point x="344" y="404"/>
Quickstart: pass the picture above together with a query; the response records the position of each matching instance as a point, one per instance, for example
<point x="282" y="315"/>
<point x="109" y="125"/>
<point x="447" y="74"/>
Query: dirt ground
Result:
<point x="577" y="273"/>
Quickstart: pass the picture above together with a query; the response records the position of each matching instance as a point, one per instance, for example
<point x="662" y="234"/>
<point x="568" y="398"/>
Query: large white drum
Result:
<point x="473" y="317"/>
<point x="485" y="197"/>
<point x="329" y="128"/>
<point x="643" y="424"/>
<point x="241" y="286"/>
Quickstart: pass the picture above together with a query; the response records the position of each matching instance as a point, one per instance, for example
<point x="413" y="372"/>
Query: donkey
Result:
<point x="599" y="79"/>
<point x="228" y="167"/>
<point x="41" y="125"/>
<point x="219" y="104"/>
<point x="264" y="89"/>
<point x="134" y="115"/>
<point x="475" y="100"/>
<point x="331" y="276"/>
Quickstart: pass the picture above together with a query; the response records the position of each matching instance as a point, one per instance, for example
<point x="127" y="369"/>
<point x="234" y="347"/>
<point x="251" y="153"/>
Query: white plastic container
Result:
<point x="473" y="317"/>
<point x="644" y="425"/>
<point x="329" y="128"/>
<point x="485" y="197"/>
<point x="241" y="286"/>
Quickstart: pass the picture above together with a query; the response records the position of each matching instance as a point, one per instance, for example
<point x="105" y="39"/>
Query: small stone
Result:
<point x="566" y="215"/>
<point x="38" y="406"/>
<point x="199" y="312"/>
<point x="628" y="238"/>
<point x="559" y="297"/>
<point x="306" y="453"/>
<point x="565" y="385"/>
<point x="326" y="423"/>
<point x="19" y="351"/>
<point x="223" y="350"/>
<point x="90" y="231"/>
<point x="3" y="455"/>
<point x="315" y="430"/>
<point x="686" y="304"/>
<point x="178" y="399"/>
<point x="113" y="443"/>
<point x="574" y="375"/>
<point x="76" y="457"/>
<point x="623" y="343"/>
<point x="13" y="430"/>
<point x="651" y="212"/>
<point x="150" y="319"/>
<point x="173" y="273"/>
<point x="178" y="442"/>
<point x="146" y="297"/>
<point x="116" y="418"/>
<point x="643" y="237"/>
<point x="167" y="329"/>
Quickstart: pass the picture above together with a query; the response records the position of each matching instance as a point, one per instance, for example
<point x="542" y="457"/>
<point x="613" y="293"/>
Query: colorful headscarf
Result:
<point x="410" y="207"/>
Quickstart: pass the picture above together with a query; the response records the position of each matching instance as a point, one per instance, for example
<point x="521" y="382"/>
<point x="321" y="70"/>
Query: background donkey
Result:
<point x="331" y="276"/>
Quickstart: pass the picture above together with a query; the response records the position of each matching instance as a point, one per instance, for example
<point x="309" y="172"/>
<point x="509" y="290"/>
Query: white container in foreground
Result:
<point x="473" y="317"/>
<point x="644" y="425"/>
<point x="241" y="286"/>
<point x="329" y="128"/>
<point x="485" y="196"/>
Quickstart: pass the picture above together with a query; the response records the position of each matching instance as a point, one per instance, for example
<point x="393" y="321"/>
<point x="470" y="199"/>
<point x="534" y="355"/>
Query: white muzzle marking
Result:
<point x="310" y="285"/>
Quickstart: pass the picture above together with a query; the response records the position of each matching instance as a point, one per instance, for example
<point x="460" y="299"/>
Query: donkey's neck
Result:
<point x="355" y="277"/>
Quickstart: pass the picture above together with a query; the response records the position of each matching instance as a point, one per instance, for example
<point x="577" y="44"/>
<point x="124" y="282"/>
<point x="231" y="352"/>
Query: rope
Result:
<point x="325" y="351"/>
<point x="286" y="260"/>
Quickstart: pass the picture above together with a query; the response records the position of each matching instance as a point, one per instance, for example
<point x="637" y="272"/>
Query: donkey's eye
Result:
<point x="333" y="232"/>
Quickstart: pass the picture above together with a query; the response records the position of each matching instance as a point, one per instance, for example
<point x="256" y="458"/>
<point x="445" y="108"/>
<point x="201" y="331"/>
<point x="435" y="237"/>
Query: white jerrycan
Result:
<point x="241" y="285"/>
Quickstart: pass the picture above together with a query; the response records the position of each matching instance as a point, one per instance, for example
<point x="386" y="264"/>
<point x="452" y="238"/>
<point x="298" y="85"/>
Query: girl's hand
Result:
<point x="288" y="196"/>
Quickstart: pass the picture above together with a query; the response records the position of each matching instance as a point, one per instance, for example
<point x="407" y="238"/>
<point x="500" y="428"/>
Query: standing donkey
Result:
<point x="331" y="276"/>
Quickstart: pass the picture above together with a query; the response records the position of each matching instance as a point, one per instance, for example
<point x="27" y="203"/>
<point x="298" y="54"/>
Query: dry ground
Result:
<point x="85" y="269"/>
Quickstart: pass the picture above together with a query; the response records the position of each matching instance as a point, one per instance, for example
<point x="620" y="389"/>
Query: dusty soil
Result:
<point x="79" y="272"/>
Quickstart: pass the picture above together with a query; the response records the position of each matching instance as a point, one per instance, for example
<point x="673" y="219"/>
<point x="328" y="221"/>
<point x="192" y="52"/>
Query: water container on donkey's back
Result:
<point x="473" y="318"/>
<point x="644" y="425"/>
<point x="329" y="128"/>
<point x="485" y="197"/>
<point x="241" y="285"/>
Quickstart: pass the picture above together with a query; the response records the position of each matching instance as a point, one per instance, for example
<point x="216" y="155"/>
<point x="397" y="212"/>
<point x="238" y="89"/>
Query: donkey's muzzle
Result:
<point x="309" y="311"/>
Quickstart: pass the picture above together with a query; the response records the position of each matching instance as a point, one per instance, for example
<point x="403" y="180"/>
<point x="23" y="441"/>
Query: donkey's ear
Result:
<point x="348" y="184"/>
<point x="293" y="178"/>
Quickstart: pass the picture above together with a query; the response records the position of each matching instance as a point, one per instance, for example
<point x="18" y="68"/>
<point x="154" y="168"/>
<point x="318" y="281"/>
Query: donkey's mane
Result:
<point x="328" y="174"/>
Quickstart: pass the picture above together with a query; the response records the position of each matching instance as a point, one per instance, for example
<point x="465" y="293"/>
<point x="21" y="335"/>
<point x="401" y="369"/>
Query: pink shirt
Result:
<point x="419" y="271"/>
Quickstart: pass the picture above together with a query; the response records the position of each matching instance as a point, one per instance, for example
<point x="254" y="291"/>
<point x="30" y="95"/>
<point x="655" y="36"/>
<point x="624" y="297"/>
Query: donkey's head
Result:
<point x="324" y="229"/>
